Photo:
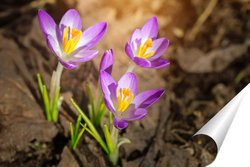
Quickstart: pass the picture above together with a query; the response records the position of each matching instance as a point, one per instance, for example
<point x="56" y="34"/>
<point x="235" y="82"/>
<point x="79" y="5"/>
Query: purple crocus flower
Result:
<point x="121" y="99"/>
<point x="144" y="49"/>
<point x="68" y="42"/>
<point x="107" y="61"/>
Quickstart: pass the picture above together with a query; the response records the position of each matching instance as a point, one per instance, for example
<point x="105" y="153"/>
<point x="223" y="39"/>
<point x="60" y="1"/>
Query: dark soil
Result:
<point x="204" y="75"/>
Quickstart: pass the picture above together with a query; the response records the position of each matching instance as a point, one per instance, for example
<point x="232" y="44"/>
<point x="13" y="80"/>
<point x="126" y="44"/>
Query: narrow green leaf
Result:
<point x="91" y="127"/>
<point x="91" y="133"/>
<point x="79" y="136"/>
<point x="101" y="112"/>
<point x="46" y="103"/>
<point x="40" y="83"/>
<point x="90" y="112"/>
<point x="110" y="119"/>
<point x="239" y="77"/>
<point x="72" y="135"/>
<point x="91" y="102"/>
<point x="77" y="126"/>
<point x="55" y="106"/>
<point x="122" y="140"/>
<point x="108" y="139"/>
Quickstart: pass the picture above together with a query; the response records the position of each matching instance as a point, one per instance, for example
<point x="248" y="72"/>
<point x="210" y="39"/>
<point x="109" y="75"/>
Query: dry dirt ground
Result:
<point x="207" y="69"/>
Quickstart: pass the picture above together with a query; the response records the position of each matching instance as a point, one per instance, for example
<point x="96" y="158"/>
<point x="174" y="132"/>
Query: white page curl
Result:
<point x="231" y="125"/>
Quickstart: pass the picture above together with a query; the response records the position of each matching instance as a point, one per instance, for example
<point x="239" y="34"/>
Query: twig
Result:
<point x="203" y="17"/>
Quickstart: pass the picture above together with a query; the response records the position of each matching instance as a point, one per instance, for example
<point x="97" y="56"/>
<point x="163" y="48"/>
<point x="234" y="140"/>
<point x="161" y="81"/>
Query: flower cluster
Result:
<point x="71" y="45"/>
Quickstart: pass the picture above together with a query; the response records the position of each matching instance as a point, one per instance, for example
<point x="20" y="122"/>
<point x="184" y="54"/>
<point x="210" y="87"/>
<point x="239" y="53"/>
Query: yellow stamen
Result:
<point x="139" y="51"/>
<point x="65" y="38"/>
<point x="119" y="100"/>
<point x="124" y="103"/>
<point x="148" y="55"/>
<point x="69" y="44"/>
<point x="143" y="49"/>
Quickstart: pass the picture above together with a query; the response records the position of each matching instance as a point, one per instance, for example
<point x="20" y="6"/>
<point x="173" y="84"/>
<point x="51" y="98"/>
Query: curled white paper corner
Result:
<point x="231" y="126"/>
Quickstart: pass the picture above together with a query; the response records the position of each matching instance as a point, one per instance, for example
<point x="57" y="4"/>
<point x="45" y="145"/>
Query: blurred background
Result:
<point x="209" y="64"/>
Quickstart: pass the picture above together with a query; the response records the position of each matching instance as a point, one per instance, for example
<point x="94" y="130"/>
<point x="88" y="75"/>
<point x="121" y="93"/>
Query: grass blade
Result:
<point x="101" y="112"/>
<point x="46" y="103"/>
<point x="91" y="133"/>
<point x="40" y="83"/>
<point x="90" y="112"/>
<point x="77" y="126"/>
<point x="79" y="136"/>
<point x="72" y="135"/>
<point x="110" y="119"/>
<point x="92" y="103"/>
<point x="108" y="139"/>
<point x="91" y="127"/>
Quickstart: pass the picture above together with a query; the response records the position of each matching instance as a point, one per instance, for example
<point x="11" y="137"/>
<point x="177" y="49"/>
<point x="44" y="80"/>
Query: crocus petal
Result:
<point x="150" y="30"/>
<point x="47" y="24"/>
<point x="119" y="123"/>
<point x="128" y="80"/>
<point x="135" y="114"/>
<point x="145" y="99"/>
<point x="159" y="63"/>
<point x="91" y="36"/>
<point x="129" y="51"/>
<point x="106" y="82"/>
<point x="159" y="47"/>
<point x="83" y="55"/>
<point x="142" y="62"/>
<point x="67" y="65"/>
<point x="107" y="61"/>
<point x="70" y="19"/>
<point x="53" y="45"/>
<point x="109" y="87"/>
<point x="109" y="105"/>
<point x="135" y="41"/>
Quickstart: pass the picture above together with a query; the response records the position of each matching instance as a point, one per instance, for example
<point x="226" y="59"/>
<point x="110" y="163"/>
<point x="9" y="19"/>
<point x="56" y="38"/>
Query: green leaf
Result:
<point x="101" y="112"/>
<point x="122" y="140"/>
<point x="90" y="112"/>
<point x="40" y="83"/>
<point x="91" y="133"/>
<point x="77" y="126"/>
<point x="92" y="103"/>
<point x="110" y="119"/>
<point x="113" y="157"/>
<point x="108" y="139"/>
<point x="55" y="106"/>
<point x="72" y="135"/>
<point x="46" y="103"/>
<point x="79" y="136"/>
<point x="91" y="127"/>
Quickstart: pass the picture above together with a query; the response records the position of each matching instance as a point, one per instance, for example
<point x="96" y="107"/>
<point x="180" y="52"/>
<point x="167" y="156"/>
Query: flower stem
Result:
<point x="131" y="67"/>
<point x="114" y="156"/>
<point x="54" y="86"/>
